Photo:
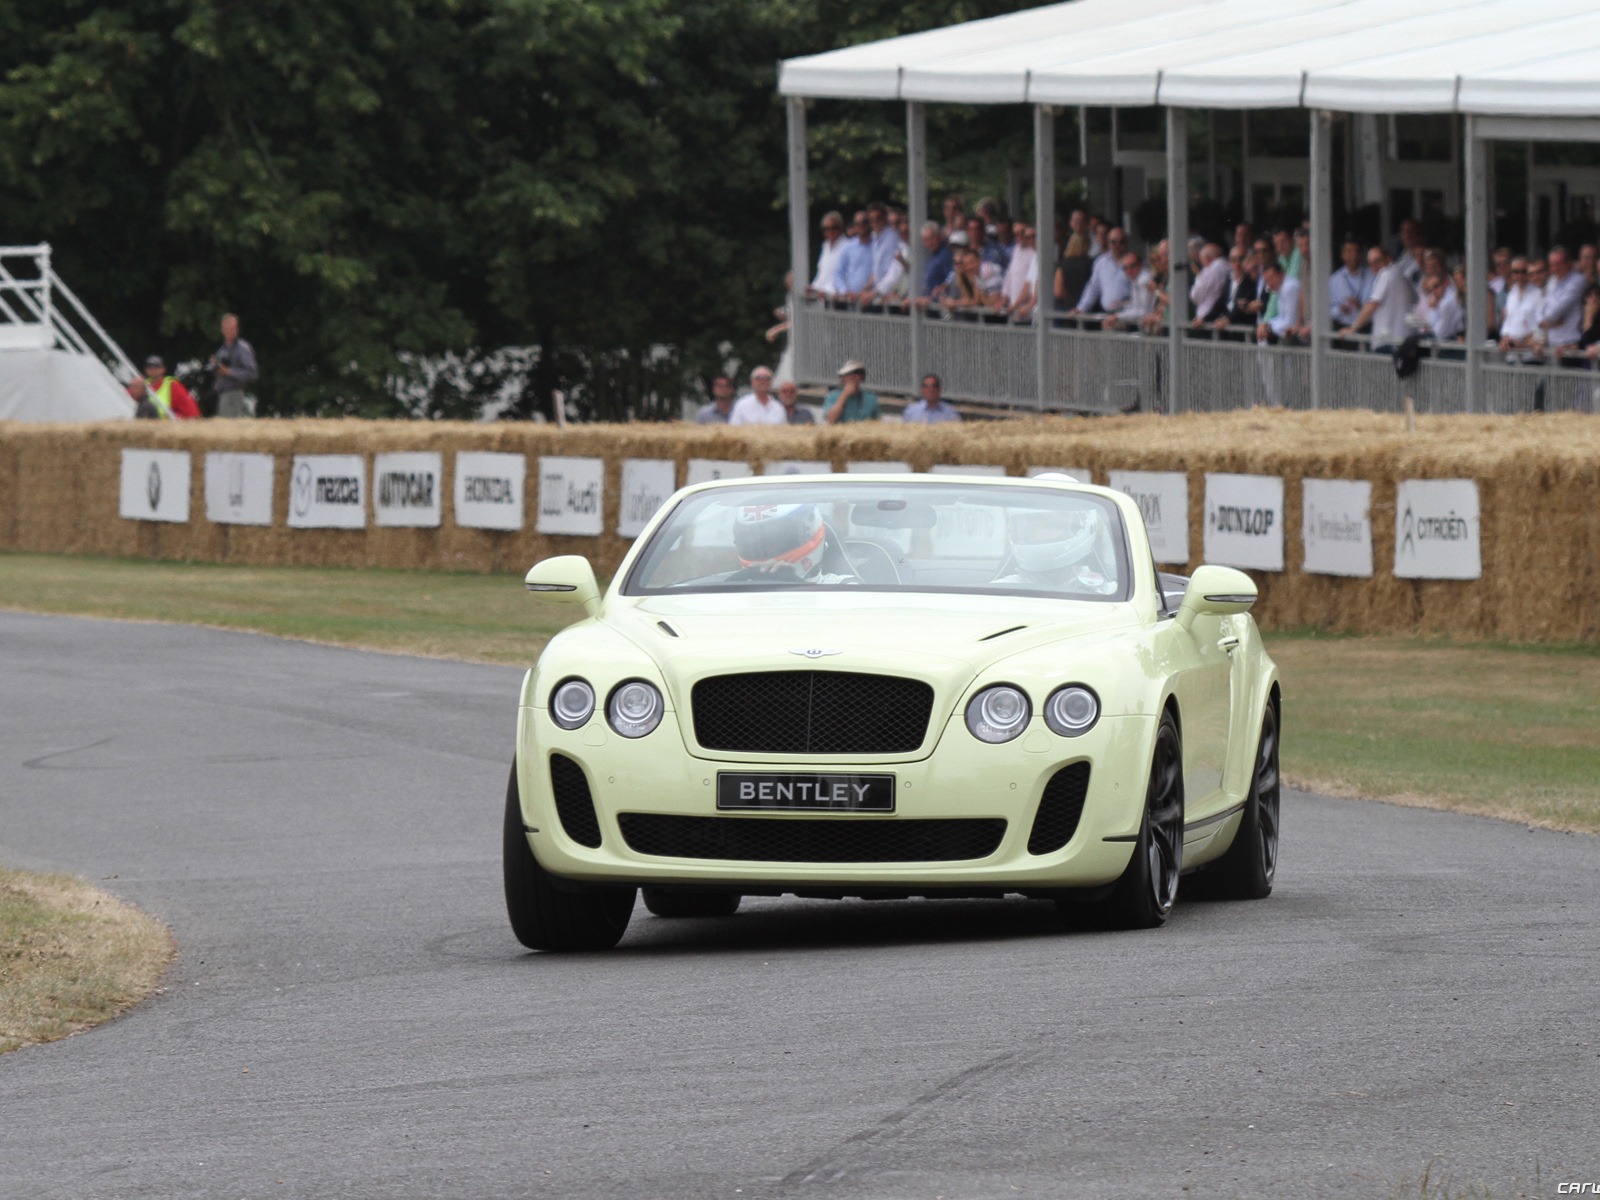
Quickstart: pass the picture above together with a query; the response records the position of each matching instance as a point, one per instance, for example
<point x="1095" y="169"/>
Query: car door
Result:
<point x="1203" y="667"/>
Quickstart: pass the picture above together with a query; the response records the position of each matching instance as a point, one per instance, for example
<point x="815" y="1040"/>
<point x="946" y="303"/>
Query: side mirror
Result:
<point x="567" y="578"/>
<point x="1216" y="592"/>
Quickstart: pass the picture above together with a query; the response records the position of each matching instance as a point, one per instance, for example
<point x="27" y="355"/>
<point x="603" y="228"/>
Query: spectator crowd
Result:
<point x="984" y="267"/>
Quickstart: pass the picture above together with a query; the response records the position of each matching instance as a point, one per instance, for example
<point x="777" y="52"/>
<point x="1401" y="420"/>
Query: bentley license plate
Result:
<point x="825" y="793"/>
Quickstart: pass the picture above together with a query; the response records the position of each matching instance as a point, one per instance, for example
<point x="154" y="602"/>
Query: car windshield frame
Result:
<point x="833" y="490"/>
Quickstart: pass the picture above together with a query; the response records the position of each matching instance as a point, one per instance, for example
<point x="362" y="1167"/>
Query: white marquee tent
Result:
<point x="1527" y="70"/>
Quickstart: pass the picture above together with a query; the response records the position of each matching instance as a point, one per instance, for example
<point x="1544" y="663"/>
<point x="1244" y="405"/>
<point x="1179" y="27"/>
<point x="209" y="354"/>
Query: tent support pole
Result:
<point x="916" y="215"/>
<point x="1177" y="252"/>
<point x="1314" y="281"/>
<point x="799" y="224"/>
<point x="1044" y="216"/>
<point x="1477" y="236"/>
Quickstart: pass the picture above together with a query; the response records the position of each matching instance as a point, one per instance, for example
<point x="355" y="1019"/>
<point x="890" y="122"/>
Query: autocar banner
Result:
<point x="406" y="489"/>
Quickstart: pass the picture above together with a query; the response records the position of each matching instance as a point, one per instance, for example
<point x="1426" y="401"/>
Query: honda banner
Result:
<point x="489" y="489"/>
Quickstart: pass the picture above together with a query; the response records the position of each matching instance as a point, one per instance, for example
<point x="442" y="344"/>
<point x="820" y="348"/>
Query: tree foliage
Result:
<point x="372" y="182"/>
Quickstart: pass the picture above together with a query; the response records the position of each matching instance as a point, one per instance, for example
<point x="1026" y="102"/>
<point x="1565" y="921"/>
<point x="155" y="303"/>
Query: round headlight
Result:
<point x="998" y="714"/>
<point x="635" y="708"/>
<point x="1071" y="710"/>
<point x="572" y="703"/>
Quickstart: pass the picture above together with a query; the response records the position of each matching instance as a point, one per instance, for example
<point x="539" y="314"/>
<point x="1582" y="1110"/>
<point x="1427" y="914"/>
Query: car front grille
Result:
<point x="1059" y="809"/>
<point x="763" y="839"/>
<point x="574" y="804"/>
<point x="811" y="712"/>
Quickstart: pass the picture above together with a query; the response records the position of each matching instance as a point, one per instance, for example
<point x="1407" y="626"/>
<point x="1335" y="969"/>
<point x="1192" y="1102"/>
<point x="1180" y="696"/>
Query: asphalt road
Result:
<point x="352" y="1017"/>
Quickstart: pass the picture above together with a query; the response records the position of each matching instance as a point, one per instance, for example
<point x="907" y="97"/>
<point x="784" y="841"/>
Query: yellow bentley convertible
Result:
<point x="890" y="686"/>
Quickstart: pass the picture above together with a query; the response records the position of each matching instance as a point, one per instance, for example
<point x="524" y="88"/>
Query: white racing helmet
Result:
<point x="1049" y="540"/>
<point x="780" y="537"/>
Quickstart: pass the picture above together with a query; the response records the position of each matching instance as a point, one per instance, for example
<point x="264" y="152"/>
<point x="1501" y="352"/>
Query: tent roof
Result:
<point x="1502" y="57"/>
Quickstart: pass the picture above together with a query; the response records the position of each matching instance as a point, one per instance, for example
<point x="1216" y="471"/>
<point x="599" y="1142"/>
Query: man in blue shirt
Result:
<point x="1350" y="286"/>
<point x="940" y="260"/>
<point x="931" y="409"/>
<point x="853" y="271"/>
<point x="885" y="244"/>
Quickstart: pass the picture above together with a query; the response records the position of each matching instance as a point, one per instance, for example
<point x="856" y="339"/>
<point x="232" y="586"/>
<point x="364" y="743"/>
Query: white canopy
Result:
<point x="1489" y="57"/>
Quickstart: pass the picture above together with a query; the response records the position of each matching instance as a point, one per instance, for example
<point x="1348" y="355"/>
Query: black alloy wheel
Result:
<point x="1144" y="896"/>
<point x="545" y="917"/>
<point x="1247" y="870"/>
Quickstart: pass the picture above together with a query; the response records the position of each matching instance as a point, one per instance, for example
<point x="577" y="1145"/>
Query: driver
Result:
<point x="1054" y="550"/>
<point x="787" y="543"/>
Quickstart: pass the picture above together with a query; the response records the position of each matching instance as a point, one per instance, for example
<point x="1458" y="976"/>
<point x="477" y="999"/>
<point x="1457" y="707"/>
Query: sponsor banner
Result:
<point x="878" y="468"/>
<point x="570" y="496"/>
<point x="327" y="491"/>
<point x="489" y="489"/>
<point x="962" y="469"/>
<point x="1336" y="523"/>
<point x="1244" y="521"/>
<point x="1163" y="498"/>
<point x="1436" y="529"/>
<point x="238" y="488"/>
<point x="1079" y="474"/>
<point x="646" y="484"/>
<point x="406" y="489"/>
<point x="704" y="470"/>
<point x="155" y="485"/>
<point x="795" y="466"/>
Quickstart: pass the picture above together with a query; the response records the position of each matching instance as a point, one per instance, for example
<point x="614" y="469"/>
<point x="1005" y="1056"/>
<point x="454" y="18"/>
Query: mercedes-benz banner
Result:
<point x="1436" y="529"/>
<point x="646" y="484"/>
<point x="155" y="485"/>
<point x="489" y="489"/>
<point x="571" y="496"/>
<point x="406" y="489"/>
<point x="1244" y="521"/>
<point x="328" y="491"/>
<point x="1163" y="498"/>
<point x="238" y="488"/>
<point x="1336" y="525"/>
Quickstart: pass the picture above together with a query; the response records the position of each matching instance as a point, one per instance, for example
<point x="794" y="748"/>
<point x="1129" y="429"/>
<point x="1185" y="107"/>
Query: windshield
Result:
<point x="922" y="537"/>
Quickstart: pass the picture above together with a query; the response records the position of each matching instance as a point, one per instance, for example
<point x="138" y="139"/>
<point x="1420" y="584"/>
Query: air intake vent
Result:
<point x="574" y="804"/>
<point x="811" y="712"/>
<point x="1059" y="809"/>
<point x="766" y="839"/>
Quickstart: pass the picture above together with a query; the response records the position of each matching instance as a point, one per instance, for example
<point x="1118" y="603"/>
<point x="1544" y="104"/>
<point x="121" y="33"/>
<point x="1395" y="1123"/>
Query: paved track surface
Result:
<point x="351" y="1016"/>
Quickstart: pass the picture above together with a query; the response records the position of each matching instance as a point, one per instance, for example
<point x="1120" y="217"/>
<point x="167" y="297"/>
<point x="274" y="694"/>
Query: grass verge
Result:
<point x="71" y="956"/>
<point x="1505" y="731"/>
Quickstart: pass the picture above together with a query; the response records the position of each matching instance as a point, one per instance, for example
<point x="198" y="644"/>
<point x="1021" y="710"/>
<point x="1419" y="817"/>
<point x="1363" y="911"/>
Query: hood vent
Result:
<point x="1000" y="633"/>
<point x="668" y="629"/>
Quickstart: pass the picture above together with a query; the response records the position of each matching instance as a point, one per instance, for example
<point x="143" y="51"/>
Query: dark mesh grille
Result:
<point x="758" y="839"/>
<point x="1059" y="810"/>
<point x="574" y="805"/>
<point x="811" y="712"/>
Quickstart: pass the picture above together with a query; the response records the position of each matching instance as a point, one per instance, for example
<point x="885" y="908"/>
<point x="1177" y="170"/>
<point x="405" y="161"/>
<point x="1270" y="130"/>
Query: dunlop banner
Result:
<point x="327" y="491"/>
<point x="1244" y="521"/>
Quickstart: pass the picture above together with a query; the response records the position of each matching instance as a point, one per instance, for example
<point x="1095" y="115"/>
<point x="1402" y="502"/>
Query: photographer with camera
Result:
<point x="233" y="369"/>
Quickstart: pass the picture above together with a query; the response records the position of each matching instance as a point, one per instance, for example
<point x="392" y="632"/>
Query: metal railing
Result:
<point x="987" y="361"/>
<point x="39" y="311"/>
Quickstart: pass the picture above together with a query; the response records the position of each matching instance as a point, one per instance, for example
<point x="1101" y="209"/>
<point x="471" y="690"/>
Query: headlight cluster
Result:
<point x="633" y="709"/>
<point x="1000" y="713"/>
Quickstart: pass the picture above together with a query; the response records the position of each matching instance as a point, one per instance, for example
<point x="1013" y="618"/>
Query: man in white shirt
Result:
<point x="758" y="406"/>
<point x="1108" y="286"/>
<point x="1208" y="296"/>
<point x="1438" y="313"/>
<point x="1349" y="286"/>
<point x="1389" y="303"/>
<point x="1520" y="323"/>
<point x="1283" y="324"/>
<point x="1141" y="296"/>
<point x="828" y="256"/>
<point x="1561" y="315"/>
<point x="1020" y="284"/>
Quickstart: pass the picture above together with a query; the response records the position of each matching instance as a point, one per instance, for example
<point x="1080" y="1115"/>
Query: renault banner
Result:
<point x="238" y="488"/>
<point x="328" y="491"/>
<point x="155" y="485"/>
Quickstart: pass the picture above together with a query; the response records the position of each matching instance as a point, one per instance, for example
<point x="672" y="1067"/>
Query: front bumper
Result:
<point x="961" y="778"/>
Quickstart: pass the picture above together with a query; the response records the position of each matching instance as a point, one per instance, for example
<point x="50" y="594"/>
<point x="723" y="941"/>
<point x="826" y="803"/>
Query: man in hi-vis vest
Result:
<point x="171" y="399"/>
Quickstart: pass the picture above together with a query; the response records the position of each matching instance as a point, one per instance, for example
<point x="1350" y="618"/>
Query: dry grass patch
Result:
<point x="71" y="956"/>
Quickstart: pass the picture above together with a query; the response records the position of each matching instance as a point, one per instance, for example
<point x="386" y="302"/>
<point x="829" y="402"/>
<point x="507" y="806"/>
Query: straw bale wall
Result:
<point x="1538" y="480"/>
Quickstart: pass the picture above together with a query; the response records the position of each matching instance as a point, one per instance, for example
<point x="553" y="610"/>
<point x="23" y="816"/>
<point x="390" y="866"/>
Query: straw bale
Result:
<point x="1538" y="479"/>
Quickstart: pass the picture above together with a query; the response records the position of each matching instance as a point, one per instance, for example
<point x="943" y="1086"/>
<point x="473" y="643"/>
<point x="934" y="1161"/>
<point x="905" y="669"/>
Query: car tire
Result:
<point x="1144" y="896"/>
<point x="1247" y="870"/>
<point x="691" y="904"/>
<point x="543" y="916"/>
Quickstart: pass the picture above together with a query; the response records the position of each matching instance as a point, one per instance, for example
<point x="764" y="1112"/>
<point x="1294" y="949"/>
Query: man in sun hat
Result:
<point x="850" y="401"/>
